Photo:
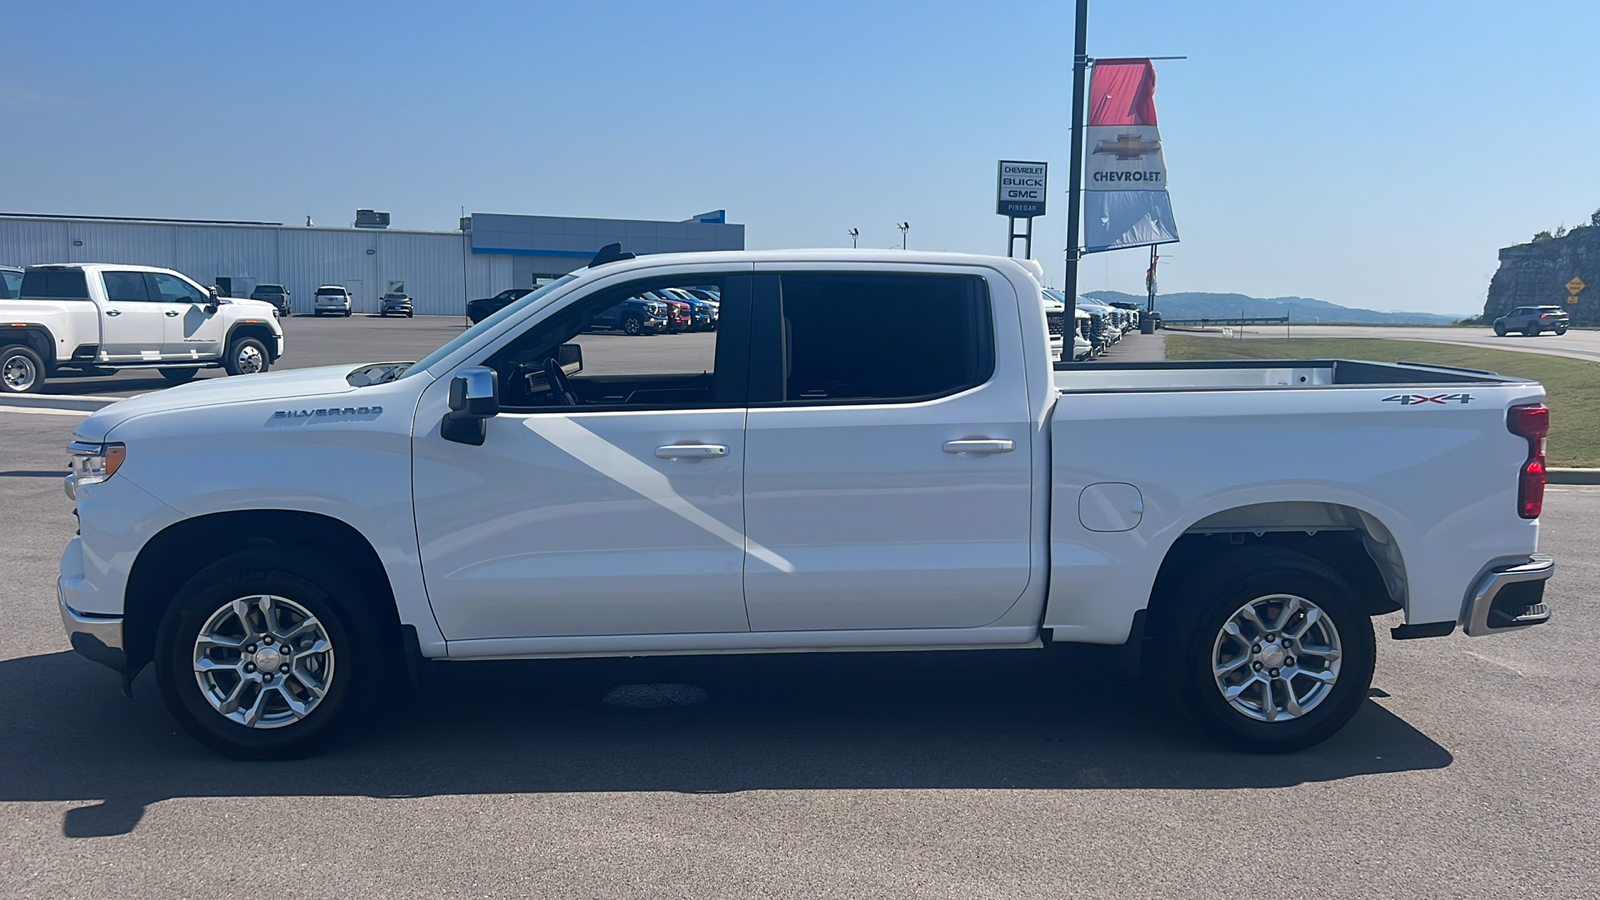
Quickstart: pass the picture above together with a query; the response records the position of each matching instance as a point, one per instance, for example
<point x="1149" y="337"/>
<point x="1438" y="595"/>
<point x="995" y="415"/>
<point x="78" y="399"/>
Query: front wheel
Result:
<point x="247" y="356"/>
<point x="633" y="325"/>
<point x="1273" y="652"/>
<point x="21" y="369"/>
<point x="263" y="655"/>
<point x="179" y="376"/>
<point x="1499" y="329"/>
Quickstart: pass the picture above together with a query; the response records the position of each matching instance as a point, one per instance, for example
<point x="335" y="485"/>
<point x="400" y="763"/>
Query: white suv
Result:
<point x="332" y="298"/>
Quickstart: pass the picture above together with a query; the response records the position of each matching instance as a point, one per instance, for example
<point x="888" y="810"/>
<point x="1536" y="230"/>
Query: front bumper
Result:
<point x="1509" y="597"/>
<point x="98" y="638"/>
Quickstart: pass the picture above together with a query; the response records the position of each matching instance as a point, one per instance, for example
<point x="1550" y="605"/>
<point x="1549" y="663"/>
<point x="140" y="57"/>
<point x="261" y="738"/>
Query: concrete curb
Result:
<point x="58" y="401"/>
<point x="1572" y="476"/>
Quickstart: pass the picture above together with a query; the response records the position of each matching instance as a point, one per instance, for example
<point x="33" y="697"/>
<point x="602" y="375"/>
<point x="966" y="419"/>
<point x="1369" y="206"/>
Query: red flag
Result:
<point x="1123" y="92"/>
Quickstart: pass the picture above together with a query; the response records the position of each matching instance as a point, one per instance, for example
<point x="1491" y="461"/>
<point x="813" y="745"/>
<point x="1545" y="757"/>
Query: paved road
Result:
<point x="1584" y="344"/>
<point x="1470" y="773"/>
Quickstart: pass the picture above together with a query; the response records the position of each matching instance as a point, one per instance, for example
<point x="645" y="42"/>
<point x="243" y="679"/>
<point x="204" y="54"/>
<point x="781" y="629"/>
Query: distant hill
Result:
<point x="1196" y="305"/>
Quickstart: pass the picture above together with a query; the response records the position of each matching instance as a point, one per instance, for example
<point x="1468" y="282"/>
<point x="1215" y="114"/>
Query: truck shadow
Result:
<point x="996" y="720"/>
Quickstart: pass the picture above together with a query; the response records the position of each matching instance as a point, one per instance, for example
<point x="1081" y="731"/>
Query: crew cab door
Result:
<point x="190" y="331"/>
<point x="132" y="328"/>
<point x="888" y="452"/>
<point x="606" y="500"/>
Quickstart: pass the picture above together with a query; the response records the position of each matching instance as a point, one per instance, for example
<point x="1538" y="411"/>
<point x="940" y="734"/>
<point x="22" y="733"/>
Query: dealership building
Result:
<point x="440" y="270"/>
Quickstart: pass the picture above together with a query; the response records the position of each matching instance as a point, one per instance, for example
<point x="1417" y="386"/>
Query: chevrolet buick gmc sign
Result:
<point x="1022" y="186"/>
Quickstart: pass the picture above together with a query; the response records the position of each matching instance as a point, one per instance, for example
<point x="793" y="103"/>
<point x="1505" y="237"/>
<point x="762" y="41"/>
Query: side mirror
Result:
<point x="211" y="299"/>
<point x="474" y="398"/>
<point x="569" y="356"/>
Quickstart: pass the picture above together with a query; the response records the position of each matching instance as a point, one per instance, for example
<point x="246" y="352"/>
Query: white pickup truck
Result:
<point x="874" y="454"/>
<point x="100" y="317"/>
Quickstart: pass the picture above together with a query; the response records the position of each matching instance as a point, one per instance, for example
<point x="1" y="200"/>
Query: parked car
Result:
<point x="1533" y="320"/>
<point x="97" y="318"/>
<point x="395" y="304"/>
<point x="276" y="294"/>
<point x="703" y="312"/>
<point x="680" y="314"/>
<point x="634" y="315"/>
<point x="332" y="299"/>
<point x="725" y="512"/>
<point x="1082" y="347"/>
<point x="480" y="309"/>
<point x="10" y="282"/>
<point x="1055" y="320"/>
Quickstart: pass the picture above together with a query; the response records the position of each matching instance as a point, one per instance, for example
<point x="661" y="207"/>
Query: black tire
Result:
<point x="347" y="314"/>
<point x="633" y="324"/>
<point x="1213" y="595"/>
<point x="353" y="674"/>
<point x="22" y="371"/>
<point x="1531" y="331"/>
<point x="179" y="376"/>
<point x="247" y="356"/>
<point x="1561" y="329"/>
<point x="1499" y="329"/>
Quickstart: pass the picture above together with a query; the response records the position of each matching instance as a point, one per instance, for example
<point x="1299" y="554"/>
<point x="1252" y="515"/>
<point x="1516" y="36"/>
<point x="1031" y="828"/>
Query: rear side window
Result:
<point x="883" y="338"/>
<point x="125" y="287"/>
<point x="55" y="284"/>
<point x="10" y="285"/>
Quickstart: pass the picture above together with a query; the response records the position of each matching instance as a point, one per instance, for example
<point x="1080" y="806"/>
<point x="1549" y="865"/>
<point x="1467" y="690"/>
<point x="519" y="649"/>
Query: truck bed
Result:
<point x="1257" y="374"/>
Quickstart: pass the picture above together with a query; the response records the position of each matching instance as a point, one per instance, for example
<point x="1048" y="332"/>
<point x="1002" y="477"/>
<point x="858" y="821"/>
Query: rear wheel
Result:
<point x="21" y="369"/>
<point x="1561" y="329"/>
<point x="1273" y="651"/>
<point x="264" y="655"/>
<point x="179" y="376"/>
<point x="247" y="356"/>
<point x="347" y="314"/>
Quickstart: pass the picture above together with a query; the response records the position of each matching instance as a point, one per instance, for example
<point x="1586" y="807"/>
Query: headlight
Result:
<point x="93" y="463"/>
<point x="655" y="309"/>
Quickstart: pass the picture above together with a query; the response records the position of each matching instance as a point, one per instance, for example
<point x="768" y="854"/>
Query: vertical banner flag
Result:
<point x="1125" y="200"/>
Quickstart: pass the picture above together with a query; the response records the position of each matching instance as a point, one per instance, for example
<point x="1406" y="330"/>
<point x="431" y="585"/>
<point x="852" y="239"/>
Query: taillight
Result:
<point x="1532" y="423"/>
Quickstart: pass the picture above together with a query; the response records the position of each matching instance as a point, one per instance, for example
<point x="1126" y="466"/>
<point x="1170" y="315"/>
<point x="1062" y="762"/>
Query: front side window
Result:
<point x="126" y="287"/>
<point x="874" y="338"/>
<point x="620" y="348"/>
<point x="175" y="290"/>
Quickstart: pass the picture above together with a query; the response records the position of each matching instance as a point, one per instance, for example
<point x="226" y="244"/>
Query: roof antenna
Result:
<point x="610" y="253"/>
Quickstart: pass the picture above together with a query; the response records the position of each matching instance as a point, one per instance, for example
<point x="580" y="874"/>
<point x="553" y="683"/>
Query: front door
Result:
<point x="607" y="497"/>
<point x="888" y="452"/>
<point x="133" y="328"/>
<point x="190" y="331"/>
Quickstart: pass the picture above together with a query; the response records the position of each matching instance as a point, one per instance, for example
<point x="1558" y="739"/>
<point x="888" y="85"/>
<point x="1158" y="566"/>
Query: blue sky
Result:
<point x="1373" y="154"/>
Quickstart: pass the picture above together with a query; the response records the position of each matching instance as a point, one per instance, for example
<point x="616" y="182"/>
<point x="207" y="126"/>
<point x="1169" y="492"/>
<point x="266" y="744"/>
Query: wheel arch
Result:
<point x="178" y="552"/>
<point x="258" y="330"/>
<point x="35" y="337"/>
<point x="1352" y="541"/>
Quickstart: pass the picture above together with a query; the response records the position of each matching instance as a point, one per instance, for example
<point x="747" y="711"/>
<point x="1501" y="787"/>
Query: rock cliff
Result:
<point x="1537" y="273"/>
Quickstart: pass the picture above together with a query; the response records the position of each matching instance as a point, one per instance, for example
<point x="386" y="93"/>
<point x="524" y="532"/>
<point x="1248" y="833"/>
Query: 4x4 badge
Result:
<point x="1424" y="399"/>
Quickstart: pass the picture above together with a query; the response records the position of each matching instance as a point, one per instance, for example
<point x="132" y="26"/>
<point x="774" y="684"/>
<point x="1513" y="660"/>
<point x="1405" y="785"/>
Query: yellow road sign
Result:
<point x="1575" y="286"/>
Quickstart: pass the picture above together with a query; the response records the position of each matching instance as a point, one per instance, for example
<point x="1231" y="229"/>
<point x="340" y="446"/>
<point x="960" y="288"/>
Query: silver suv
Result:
<point x="1531" y="320"/>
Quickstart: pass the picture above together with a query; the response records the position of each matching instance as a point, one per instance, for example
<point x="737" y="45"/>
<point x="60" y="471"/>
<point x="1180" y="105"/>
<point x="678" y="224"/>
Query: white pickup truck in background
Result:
<point x="102" y="317"/>
<point x="282" y="547"/>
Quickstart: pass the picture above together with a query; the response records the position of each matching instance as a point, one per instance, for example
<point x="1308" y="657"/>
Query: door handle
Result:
<point x="691" y="451"/>
<point x="172" y="314"/>
<point x="979" y="446"/>
<point x="113" y="312"/>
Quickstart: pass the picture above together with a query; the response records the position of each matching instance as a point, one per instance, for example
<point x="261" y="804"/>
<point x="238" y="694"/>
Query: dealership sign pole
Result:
<point x="1020" y="194"/>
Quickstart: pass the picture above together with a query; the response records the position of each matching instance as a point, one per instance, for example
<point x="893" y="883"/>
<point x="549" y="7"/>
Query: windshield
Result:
<point x="489" y="321"/>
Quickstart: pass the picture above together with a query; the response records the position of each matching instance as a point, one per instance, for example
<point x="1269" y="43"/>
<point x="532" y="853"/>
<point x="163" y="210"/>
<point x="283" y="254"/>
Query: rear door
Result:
<point x="132" y="326"/>
<point x="190" y="331"/>
<point x="888" y="450"/>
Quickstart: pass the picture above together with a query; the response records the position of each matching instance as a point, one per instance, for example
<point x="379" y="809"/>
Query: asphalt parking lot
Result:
<point x="1469" y="773"/>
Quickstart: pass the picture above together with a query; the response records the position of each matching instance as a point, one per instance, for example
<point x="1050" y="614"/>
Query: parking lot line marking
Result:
<point x="42" y="411"/>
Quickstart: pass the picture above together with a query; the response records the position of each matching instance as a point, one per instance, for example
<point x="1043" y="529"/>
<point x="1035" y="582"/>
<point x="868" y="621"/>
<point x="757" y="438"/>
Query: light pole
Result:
<point x="853" y="235"/>
<point x="904" y="227"/>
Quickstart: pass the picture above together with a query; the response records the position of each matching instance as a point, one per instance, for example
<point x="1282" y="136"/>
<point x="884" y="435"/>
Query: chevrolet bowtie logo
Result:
<point x="1127" y="146"/>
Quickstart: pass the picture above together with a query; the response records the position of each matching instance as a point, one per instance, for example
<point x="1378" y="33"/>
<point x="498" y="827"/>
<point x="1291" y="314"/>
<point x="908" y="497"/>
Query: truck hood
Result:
<point x="295" y="384"/>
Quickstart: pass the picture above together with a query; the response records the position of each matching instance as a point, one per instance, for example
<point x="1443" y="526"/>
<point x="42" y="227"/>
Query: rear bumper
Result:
<point x="1509" y="597"/>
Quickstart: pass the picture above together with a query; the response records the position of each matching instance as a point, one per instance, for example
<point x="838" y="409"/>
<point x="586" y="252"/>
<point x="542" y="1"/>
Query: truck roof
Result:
<point x="121" y="267"/>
